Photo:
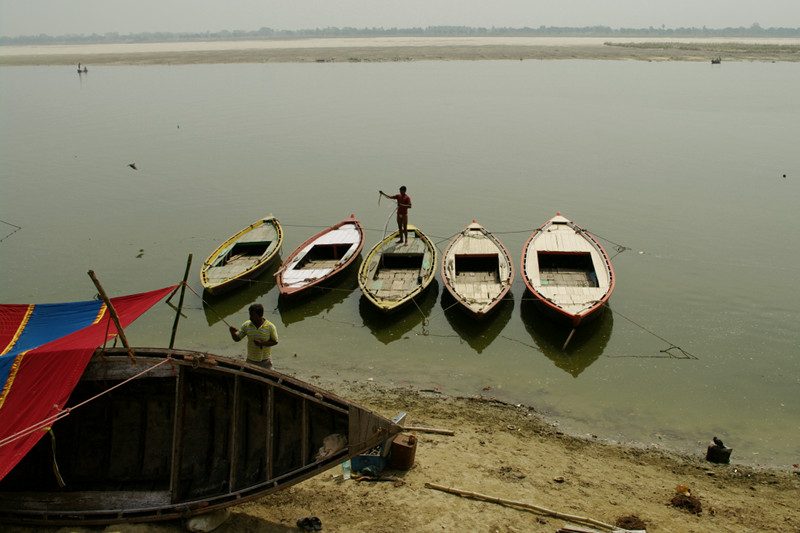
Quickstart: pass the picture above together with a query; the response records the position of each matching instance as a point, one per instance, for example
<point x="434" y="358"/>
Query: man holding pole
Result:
<point x="261" y="336"/>
<point x="403" y="205"/>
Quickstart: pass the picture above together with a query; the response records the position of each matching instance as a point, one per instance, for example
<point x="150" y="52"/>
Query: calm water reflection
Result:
<point x="321" y="299"/>
<point x="680" y="162"/>
<point x="391" y="327"/>
<point x="231" y="307"/>
<point x="585" y="346"/>
<point x="478" y="334"/>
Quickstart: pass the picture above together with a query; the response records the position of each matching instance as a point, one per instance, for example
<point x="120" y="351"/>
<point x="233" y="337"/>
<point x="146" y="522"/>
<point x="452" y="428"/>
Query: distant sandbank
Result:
<point x="404" y="49"/>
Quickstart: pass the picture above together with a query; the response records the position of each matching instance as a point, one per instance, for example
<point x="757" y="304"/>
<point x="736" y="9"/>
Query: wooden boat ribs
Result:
<point x="189" y="436"/>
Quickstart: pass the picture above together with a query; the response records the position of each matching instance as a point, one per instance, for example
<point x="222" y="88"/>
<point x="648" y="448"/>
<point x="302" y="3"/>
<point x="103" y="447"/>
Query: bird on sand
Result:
<point x="133" y="166"/>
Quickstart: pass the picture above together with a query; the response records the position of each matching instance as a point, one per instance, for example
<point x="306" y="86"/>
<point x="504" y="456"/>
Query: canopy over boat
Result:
<point x="44" y="349"/>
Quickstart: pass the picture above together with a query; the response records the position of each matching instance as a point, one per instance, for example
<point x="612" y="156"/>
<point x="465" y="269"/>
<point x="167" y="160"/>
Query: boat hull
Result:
<point x="321" y="258"/>
<point x="194" y="434"/>
<point x="243" y="256"/>
<point x="567" y="271"/>
<point x="393" y="273"/>
<point x="477" y="270"/>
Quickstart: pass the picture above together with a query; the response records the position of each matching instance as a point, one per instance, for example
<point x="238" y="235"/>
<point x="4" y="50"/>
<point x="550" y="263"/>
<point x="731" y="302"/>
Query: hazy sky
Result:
<point x="60" y="17"/>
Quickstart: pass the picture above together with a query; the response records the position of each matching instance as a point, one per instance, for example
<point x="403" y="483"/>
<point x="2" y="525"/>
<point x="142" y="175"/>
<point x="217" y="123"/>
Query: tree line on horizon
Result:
<point x="265" y="33"/>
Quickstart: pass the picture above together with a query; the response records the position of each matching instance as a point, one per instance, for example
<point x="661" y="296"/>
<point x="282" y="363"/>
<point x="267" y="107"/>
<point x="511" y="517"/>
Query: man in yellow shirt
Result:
<point x="261" y="336"/>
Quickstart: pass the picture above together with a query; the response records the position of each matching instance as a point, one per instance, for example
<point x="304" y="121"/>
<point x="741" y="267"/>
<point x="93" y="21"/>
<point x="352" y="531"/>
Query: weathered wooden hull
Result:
<point x="567" y="271"/>
<point x="322" y="257"/>
<point x="477" y="270"/>
<point x="243" y="256"/>
<point x="393" y="274"/>
<point x="196" y="433"/>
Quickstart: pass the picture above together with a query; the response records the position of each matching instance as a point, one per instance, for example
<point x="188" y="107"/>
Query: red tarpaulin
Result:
<point x="44" y="349"/>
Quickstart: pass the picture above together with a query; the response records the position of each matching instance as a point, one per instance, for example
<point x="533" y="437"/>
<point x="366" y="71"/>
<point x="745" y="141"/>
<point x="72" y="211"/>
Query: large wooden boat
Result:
<point x="477" y="269"/>
<point x="194" y="433"/>
<point x="567" y="271"/>
<point x="243" y="256"/>
<point x="321" y="257"/>
<point x="394" y="273"/>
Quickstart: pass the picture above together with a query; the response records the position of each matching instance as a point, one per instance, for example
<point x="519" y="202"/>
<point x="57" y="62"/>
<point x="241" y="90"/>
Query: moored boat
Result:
<point x="321" y="257"/>
<point x="477" y="269"/>
<point x="192" y="434"/>
<point x="243" y="256"/>
<point x="394" y="273"/>
<point x="567" y="271"/>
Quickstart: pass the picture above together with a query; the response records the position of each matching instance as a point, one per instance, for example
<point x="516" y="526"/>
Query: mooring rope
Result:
<point x="686" y="355"/>
<point x="48" y="422"/>
<point x="209" y="306"/>
<point x="618" y="247"/>
<point x="16" y="229"/>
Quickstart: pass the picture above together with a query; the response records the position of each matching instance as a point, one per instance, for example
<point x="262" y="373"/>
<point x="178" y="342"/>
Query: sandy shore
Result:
<point x="510" y="453"/>
<point x="404" y="49"/>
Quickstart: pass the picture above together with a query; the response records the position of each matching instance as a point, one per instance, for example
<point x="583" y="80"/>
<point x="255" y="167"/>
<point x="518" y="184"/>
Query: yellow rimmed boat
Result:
<point x="243" y="256"/>
<point x="394" y="273"/>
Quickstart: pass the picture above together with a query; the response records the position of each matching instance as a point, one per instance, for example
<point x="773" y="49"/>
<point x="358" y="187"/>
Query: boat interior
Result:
<point x="470" y="268"/>
<point x="567" y="269"/>
<point x="323" y="256"/>
<point x="250" y="251"/>
<point x="396" y="275"/>
<point x="178" y="435"/>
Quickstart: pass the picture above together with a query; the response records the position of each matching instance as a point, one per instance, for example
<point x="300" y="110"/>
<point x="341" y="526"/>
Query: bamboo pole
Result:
<point x="113" y="313"/>
<point x="431" y="430"/>
<point x="522" y="505"/>
<point x="180" y="302"/>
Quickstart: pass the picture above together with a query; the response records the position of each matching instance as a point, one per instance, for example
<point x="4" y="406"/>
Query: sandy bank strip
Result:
<point x="396" y="49"/>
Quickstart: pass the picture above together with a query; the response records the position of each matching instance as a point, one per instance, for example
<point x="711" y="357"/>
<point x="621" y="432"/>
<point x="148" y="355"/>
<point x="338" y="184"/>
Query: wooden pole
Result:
<point x="522" y="505"/>
<point x="569" y="338"/>
<point x="180" y="302"/>
<point x="113" y="313"/>
<point x="430" y="430"/>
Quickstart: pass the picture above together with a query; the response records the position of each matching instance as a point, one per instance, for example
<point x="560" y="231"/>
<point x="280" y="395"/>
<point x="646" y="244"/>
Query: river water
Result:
<point x="677" y="168"/>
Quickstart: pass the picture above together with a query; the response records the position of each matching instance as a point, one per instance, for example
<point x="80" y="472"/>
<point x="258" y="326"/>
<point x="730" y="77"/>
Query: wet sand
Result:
<point x="405" y="49"/>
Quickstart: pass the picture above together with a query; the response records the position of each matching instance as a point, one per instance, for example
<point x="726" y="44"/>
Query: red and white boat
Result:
<point x="321" y="257"/>
<point x="477" y="269"/>
<point x="567" y="271"/>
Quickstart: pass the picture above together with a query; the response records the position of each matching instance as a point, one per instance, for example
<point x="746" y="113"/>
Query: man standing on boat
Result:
<point x="403" y="205"/>
<point x="261" y="336"/>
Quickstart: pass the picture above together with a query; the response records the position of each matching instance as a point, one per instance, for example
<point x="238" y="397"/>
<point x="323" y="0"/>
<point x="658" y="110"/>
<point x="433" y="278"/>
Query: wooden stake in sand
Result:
<point x="522" y="505"/>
